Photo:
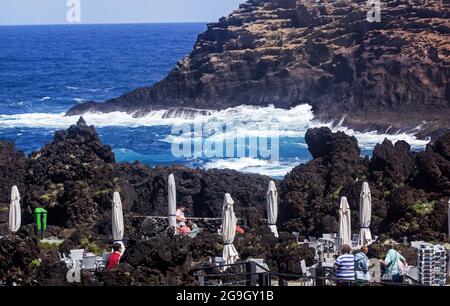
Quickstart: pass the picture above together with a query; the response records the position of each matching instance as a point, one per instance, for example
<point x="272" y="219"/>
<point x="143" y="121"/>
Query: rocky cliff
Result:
<point x="392" y="73"/>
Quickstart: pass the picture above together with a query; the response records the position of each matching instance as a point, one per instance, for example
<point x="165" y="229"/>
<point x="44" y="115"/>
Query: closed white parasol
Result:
<point x="117" y="218"/>
<point x="230" y="255"/>
<point x="272" y="207"/>
<point x="365" y="215"/>
<point x="15" y="218"/>
<point x="344" y="223"/>
<point x="172" y="200"/>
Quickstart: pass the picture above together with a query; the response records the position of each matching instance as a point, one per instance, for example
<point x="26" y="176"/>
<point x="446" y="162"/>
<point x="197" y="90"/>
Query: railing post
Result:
<point x="282" y="282"/>
<point x="250" y="269"/>
<point x="264" y="279"/>
<point x="320" y="275"/>
<point x="201" y="278"/>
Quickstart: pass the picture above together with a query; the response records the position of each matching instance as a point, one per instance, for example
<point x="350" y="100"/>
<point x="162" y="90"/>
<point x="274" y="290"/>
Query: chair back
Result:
<point x="77" y="254"/>
<point x="218" y="260"/>
<point x="105" y="256"/>
<point x="303" y="267"/>
<point x="89" y="263"/>
<point x="326" y="236"/>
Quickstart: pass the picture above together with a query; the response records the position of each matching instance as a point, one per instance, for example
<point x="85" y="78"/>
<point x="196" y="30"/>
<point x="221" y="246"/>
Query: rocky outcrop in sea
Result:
<point x="389" y="75"/>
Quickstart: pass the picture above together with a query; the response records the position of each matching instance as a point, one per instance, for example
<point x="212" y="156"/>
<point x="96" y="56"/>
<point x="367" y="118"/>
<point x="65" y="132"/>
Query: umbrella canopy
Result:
<point x="117" y="218"/>
<point x="14" y="210"/>
<point x="272" y="207"/>
<point x="230" y="255"/>
<point x="172" y="200"/>
<point x="344" y="223"/>
<point x="365" y="215"/>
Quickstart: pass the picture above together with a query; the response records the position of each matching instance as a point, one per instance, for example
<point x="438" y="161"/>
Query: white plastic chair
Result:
<point x="305" y="270"/>
<point x="89" y="263"/>
<point x="105" y="256"/>
<point x="77" y="254"/>
<point x="218" y="260"/>
<point x="326" y="236"/>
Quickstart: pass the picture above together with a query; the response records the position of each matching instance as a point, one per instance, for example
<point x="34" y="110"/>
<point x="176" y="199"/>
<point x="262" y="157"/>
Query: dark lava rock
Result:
<point x="201" y="192"/>
<point x="434" y="166"/>
<point x="310" y="193"/>
<point x="387" y="75"/>
<point x="391" y="165"/>
<point x="13" y="165"/>
<point x="19" y="261"/>
<point x="72" y="177"/>
<point x="409" y="190"/>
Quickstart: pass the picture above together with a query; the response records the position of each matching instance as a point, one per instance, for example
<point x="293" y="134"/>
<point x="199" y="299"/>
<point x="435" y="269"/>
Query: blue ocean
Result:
<point x="45" y="70"/>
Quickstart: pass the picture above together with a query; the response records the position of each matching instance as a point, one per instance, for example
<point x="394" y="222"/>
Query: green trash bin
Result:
<point x="40" y="218"/>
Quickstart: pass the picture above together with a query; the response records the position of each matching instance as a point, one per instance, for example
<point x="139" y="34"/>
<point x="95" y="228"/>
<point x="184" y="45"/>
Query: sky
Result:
<point x="25" y="12"/>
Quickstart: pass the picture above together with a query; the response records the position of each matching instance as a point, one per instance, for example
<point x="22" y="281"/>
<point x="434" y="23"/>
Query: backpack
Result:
<point x="401" y="267"/>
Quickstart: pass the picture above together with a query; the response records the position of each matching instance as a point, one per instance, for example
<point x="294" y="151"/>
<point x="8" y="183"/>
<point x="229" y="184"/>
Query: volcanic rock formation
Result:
<point x="383" y="75"/>
<point x="409" y="190"/>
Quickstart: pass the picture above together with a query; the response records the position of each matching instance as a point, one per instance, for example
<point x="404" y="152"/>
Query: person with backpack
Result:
<point x="395" y="265"/>
<point x="362" y="275"/>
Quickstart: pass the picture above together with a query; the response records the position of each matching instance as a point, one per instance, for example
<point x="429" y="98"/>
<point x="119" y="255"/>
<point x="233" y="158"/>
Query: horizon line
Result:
<point x="100" y="23"/>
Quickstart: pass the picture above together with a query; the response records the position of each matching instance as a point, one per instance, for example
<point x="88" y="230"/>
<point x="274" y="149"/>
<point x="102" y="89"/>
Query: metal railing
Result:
<point x="245" y="274"/>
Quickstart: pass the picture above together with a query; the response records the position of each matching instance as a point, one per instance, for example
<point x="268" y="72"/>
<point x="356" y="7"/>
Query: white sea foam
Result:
<point x="45" y="98"/>
<point x="253" y="165"/>
<point x="251" y="120"/>
<point x="79" y="100"/>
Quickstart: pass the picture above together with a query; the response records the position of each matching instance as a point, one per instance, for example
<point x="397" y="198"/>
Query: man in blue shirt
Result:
<point x="345" y="267"/>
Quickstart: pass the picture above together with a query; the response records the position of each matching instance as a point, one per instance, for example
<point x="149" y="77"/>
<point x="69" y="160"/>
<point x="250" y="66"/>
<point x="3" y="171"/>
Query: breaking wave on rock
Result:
<point x="242" y="122"/>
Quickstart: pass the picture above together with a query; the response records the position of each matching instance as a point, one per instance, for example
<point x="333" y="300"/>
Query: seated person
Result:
<point x="183" y="229"/>
<point x="180" y="215"/>
<point x="114" y="258"/>
<point x="193" y="226"/>
<point x="239" y="230"/>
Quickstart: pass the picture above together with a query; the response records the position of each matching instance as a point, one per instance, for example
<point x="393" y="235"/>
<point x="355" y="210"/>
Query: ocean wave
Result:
<point x="108" y="89"/>
<point x="245" y="121"/>
<point x="79" y="100"/>
<point x="274" y="169"/>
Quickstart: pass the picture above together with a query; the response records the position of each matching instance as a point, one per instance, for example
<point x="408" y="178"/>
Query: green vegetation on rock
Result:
<point x="36" y="262"/>
<point x="423" y="208"/>
<point x="337" y="193"/>
<point x="91" y="246"/>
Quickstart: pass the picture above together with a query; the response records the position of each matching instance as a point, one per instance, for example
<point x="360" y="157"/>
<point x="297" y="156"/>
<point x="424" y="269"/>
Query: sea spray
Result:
<point x="201" y="140"/>
<point x="149" y="138"/>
